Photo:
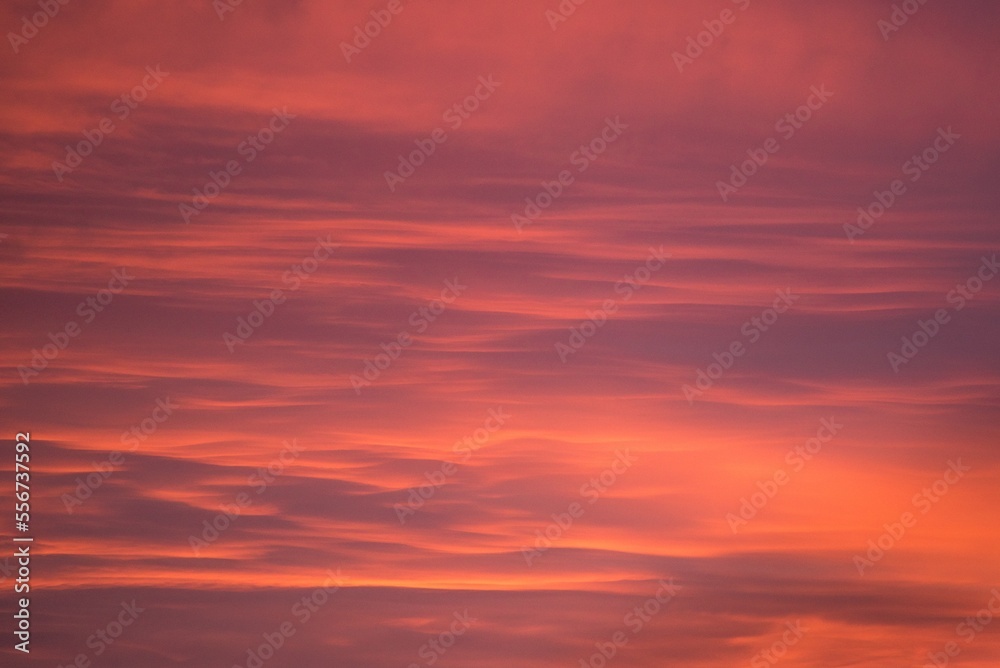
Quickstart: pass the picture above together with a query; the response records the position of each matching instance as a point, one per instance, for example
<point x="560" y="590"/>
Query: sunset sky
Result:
<point x="514" y="332"/>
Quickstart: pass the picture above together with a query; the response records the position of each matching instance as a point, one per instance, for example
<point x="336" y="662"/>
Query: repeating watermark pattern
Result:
<point x="697" y="44"/>
<point x="773" y="654"/>
<point x="248" y="150"/>
<point x="421" y="319"/>
<point x="259" y="481"/>
<point x="31" y="25"/>
<point x="635" y="621"/>
<point x="7" y="569"/>
<point x="436" y="479"/>
<point x="562" y="12"/>
<point x="292" y="279"/>
<point x="958" y="297"/>
<point x="455" y="116"/>
<point x="122" y="107"/>
<point x="923" y="501"/>
<point x="225" y="7"/>
<point x="88" y="309"/>
<point x="582" y="158"/>
<point x="85" y="487"/>
<point x="103" y="638"/>
<point x="626" y="287"/>
<point x="302" y="611"/>
<point x="914" y="168"/>
<point x="366" y="31"/>
<point x="592" y="491"/>
<point x="796" y="458"/>
<point x="753" y="329"/>
<point x="899" y="17"/>
<point x="432" y="650"/>
<point x="967" y="629"/>
<point x="786" y="127"/>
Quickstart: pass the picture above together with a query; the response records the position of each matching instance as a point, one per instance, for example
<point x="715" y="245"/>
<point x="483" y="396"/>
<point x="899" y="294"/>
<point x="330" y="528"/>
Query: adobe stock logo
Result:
<point x="923" y="501"/>
<point x="303" y="610"/>
<point x="393" y="350"/>
<point x="899" y="17"/>
<point x="591" y="490"/>
<point x="30" y="27"/>
<point x="436" y="647"/>
<point x="263" y="310"/>
<point x="630" y="283"/>
<point x="248" y="149"/>
<point x="418" y="496"/>
<point x="364" y="34"/>
<point x="88" y="310"/>
<point x="582" y="158"/>
<point x="260" y="480"/>
<point x="122" y="107"/>
<point x="454" y="116"/>
<point x="85" y="487"/>
<point x="697" y="44"/>
<point x="769" y="487"/>
<point x="753" y="329"/>
<point x="967" y="630"/>
<point x="773" y="654"/>
<point x="106" y="636"/>
<point x="565" y="9"/>
<point x="786" y="126"/>
<point x="914" y="168"/>
<point x="635" y="620"/>
<point x="926" y="330"/>
<point x="223" y="7"/>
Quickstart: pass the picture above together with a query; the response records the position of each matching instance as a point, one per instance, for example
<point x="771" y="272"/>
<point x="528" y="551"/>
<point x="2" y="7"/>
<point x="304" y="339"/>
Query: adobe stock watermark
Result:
<point x="302" y="610"/>
<point x="592" y="491"/>
<point x="635" y="621"/>
<point x="899" y="17"/>
<point x="248" y="150"/>
<point x="697" y="44"/>
<point x="421" y="319"/>
<point x="467" y="446"/>
<point x="914" y="168"/>
<point x="224" y="7"/>
<point x="626" y="287"/>
<point x="454" y="116"/>
<point x="31" y="25"/>
<point x="958" y="297"/>
<point x="967" y="629"/>
<point x="582" y="159"/>
<point x="103" y="638"/>
<point x="122" y="107"/>
<point x="88" y="309"/>
<point x="786" y="126"/>
<point x="923" y="501"/>
<point x="562" y="12"/>
<point x="432" y="650"/>
<point x="797" y="458"/>
<point x="133" y="437"/>
<point x="753" y="329"/>
<point x="292" y="279"/>
<point x="7" y="569"/>
<point x="366" y="31"/>
<point x="259" y="481"/>
<point x="779" y="648"/>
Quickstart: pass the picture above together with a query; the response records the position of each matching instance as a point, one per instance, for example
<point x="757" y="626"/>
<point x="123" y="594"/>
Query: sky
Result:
<point x="502" y="334"/>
